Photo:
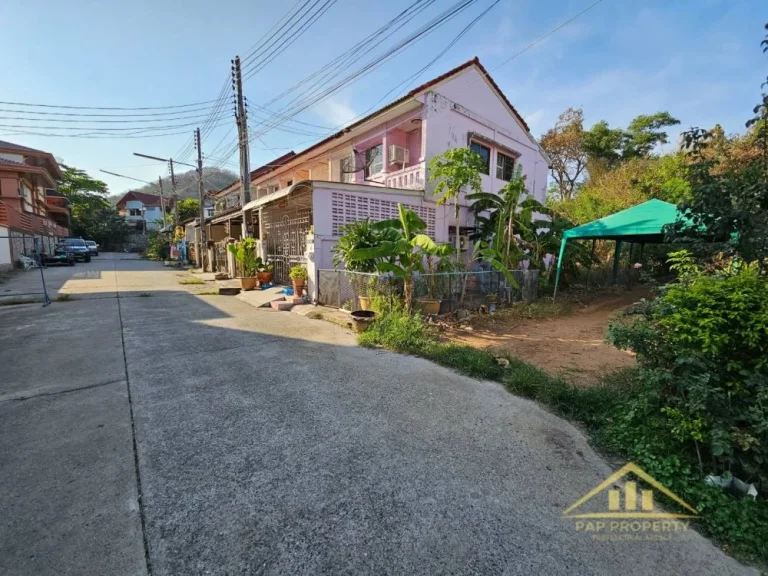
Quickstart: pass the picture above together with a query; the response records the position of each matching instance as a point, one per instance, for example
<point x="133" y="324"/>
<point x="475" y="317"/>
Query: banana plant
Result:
<point x="402" y="256"/>
<point x="510" y="216"/>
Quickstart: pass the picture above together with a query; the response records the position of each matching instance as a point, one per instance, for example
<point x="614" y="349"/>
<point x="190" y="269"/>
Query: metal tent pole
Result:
<point x="616" y="256"/>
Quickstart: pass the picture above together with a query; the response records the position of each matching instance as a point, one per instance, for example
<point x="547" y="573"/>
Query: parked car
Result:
<point x="93" y="248"/>
<point x="60" y="256"/>
<point x="77" y="247"/>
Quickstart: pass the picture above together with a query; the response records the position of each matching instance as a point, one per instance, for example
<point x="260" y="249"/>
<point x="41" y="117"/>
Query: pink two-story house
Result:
<point x="366" y="169"/>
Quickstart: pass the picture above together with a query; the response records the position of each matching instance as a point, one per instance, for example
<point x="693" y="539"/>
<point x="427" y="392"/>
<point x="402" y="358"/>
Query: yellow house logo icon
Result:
<point x="629" y="512"/>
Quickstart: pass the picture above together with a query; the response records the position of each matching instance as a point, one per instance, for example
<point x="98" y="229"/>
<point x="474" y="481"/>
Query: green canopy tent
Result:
<point x="643" y="224"/>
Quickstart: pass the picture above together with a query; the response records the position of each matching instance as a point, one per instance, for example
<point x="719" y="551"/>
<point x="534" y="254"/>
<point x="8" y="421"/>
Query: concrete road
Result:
<point x="267" y="443"/>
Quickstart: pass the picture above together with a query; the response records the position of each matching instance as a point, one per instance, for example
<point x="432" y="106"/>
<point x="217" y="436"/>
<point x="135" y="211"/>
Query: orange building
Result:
<point x="30" y="207"/>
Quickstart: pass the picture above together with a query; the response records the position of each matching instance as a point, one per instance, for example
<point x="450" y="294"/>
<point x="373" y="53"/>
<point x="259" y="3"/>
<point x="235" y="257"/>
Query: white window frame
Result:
<point x="378" y="161"/>
<point x="501" y="165"/>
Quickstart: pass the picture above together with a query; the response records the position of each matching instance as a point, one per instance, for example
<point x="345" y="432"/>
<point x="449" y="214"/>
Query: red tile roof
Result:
<point x="261" y="170"/>
<point x="427" y="85"/>
<point x="144" y="198"/>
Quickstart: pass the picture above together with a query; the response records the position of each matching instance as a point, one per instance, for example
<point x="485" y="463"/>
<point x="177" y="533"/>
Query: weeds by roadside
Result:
<point x="191" y="281"/>
<point x="611" y="415"/>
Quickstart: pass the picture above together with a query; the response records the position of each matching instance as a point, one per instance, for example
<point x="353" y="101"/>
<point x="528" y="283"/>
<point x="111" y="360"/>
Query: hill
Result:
<point x="186" y="183"/>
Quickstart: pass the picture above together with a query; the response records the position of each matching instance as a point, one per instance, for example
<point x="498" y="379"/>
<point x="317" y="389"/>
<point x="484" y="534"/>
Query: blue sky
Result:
<point x="700" y="60"/>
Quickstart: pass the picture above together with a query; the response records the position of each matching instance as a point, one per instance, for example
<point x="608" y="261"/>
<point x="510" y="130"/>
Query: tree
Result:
<point x="188" y="208"/>
<point x="608" y="147"/>
<point x="564" y="144"/>
<point x="645" y="133"/>
<point x="92" y="215"/>
<point x="454" y="170"/>
<point x="729" y="199"/>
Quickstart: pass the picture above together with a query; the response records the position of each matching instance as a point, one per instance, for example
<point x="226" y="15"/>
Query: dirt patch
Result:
<point x="571" y="345"/>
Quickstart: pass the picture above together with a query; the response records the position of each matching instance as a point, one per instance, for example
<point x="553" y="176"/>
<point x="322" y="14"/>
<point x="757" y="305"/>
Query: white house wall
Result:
<point x="5" y="249"/>
<point x="333" y="206"/>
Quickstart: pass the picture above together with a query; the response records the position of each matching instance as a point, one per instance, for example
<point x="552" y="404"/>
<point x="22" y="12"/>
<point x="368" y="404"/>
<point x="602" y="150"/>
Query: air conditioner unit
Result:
<point x="464" y="243"/>
<point x="398" y="155"/>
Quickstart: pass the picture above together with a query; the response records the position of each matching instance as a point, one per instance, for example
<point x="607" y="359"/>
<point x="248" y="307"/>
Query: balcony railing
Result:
<point x="410" y="178"/>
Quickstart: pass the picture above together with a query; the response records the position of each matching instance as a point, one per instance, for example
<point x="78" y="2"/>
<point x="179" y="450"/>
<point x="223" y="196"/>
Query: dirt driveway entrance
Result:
<point x="572" y="345"/>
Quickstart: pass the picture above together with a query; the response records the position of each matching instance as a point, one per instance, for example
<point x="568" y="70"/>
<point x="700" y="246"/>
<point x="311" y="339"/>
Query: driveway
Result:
<point x="264" y="442"/>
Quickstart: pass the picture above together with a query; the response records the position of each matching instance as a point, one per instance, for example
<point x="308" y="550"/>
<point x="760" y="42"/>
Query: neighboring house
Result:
<point x="30" y="207"/>
<point x="299" y="203"/>
<point x="143" y="210"/>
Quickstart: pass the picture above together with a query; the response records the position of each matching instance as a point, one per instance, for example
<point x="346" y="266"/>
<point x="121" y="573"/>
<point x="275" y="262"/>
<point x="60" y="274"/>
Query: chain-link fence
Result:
<point x="438" y="293"/>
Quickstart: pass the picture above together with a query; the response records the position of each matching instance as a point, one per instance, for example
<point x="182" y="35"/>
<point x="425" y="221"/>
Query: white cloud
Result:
<point x="335" y="112"/>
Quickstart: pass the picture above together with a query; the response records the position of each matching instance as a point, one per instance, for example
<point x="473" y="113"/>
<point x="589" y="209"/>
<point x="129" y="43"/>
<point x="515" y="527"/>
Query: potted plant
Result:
<point x="244" y="252"/>
<point x="365" y="301"/>
<point x="264" y="271"/>
<point x="298" y="275"/>
<point x="438" y="261"/>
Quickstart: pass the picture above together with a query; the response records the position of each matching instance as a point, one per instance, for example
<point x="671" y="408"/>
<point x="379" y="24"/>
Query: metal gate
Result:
<point x="220" y="257"/>
<point x="286" y="241"/>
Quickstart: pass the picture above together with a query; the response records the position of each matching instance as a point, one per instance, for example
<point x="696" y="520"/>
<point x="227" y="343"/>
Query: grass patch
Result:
<point x="188" y="281"/>
<point x="145" y="295"/>
<point x="11" y="301"/>
<point x="207" y="293"/>
<point x="616" y="414"/>
<point x="64" y="298"/>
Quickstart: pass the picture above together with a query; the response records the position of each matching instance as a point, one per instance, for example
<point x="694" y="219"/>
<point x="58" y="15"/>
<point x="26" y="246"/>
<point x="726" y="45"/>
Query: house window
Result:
<point x="346" y="169"/>
<point x="485" y="154"/>
<point x="134" y="212"/>
<point x="505" y="166"/>
<point x="374" y="162"/>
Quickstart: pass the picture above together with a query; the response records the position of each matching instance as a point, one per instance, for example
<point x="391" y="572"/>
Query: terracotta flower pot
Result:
<point x="361" y="319"/>
<point x="298" y="285"/>
<point x="265" y="277"/>
<point x="247" y="282"/>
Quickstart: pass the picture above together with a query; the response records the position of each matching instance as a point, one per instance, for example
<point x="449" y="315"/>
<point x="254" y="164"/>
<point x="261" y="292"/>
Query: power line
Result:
<point x="412" y="38"/>
<point x="257" y="52"/>
<point x="82" y="115"/>
<point x="517" y="54"/>
<point x="34" y="105"/>
<point x="312" y="19"/>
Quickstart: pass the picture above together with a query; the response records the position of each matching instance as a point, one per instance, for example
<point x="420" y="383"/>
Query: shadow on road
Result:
<point x="269" y="443"/>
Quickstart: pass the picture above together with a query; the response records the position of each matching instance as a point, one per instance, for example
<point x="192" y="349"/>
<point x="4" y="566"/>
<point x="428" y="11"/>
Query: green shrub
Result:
<point x="703" y="348"/>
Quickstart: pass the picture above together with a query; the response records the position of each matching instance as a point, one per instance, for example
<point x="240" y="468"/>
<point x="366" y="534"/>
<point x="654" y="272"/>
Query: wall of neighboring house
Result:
<point x="154" y="217"/>
<point x="6" y="262"/>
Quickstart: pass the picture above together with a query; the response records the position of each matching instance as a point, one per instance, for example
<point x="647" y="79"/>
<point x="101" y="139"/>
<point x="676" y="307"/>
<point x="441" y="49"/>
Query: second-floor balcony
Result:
<point x="409" y="178"/>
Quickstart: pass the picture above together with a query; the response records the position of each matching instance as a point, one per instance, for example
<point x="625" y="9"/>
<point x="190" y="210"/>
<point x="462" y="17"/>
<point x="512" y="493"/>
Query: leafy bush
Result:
<point x="157" y="246"/>
<point x="703" y="347"/>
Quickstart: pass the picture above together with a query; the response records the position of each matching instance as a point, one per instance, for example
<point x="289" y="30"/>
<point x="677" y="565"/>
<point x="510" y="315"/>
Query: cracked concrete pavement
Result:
<point x="268" y="443"/>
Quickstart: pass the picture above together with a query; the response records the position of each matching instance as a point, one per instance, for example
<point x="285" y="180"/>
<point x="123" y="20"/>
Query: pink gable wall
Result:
<point x="468" y="104"/>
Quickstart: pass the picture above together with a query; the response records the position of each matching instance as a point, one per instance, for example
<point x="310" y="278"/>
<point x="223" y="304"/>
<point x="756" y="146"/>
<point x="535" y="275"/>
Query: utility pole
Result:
<point x="242" y="131"/>
<point x="201" y="195"/>
<point x="162" y="199"/>
<point x="174" y="195"/>
<point x="173" y="179"/>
